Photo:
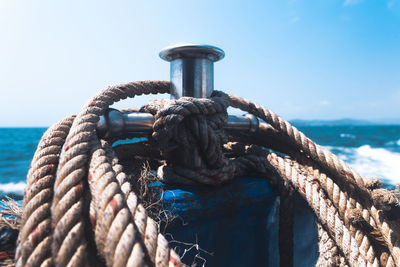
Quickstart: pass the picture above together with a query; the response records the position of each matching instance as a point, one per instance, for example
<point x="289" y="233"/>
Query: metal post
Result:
<point x="192" y="74"/>
<point x="192" y="69"/>
<point x="115" y="123"/>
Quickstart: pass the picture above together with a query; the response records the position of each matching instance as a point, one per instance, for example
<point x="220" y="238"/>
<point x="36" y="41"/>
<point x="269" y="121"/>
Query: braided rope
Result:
<point x="354" y="244"/>
<point x="316" y="152"/>
<point x="54" y="200"/>
<point x="69" y="183"/>
<point x="352" y="217"/>
<point x="358" y="194"/>
<point x="117" y="212"/>
<point x="329" y="253"/>
<point x="34" y="238"/>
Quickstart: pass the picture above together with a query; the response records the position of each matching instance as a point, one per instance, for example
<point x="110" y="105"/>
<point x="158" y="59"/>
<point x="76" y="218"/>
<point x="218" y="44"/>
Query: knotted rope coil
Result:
<point x="79" y="203"/>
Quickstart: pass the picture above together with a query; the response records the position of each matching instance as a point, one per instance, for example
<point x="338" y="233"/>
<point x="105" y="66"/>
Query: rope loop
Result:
<point x="189" y="132"/>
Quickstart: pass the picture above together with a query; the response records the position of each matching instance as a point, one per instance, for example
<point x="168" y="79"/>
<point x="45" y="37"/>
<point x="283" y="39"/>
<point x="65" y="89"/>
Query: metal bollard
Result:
<point x="192" y="74"/>
<point x="192" y="69"/>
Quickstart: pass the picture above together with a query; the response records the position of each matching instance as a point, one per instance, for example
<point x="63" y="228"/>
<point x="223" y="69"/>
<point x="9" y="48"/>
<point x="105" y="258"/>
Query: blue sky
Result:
<point x="317" y="59"/>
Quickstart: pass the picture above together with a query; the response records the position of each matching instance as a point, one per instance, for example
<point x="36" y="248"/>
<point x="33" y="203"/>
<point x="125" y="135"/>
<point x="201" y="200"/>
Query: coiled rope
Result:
<point x="79" y="203"/>
<point x="69" y="162"/>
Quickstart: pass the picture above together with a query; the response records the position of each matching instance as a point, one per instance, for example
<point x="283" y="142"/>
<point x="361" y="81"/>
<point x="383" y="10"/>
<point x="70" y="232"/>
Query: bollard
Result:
<point x="192" y="69"/>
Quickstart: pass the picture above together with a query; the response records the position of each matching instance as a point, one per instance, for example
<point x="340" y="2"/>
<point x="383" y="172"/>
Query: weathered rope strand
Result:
<point x="329" y="253"/>
<point x="63" y="209"/>
<point x="34" y="238"/>
<point x="354" y="244"/>
<point x="72" y="169"/>
<point x="333" y="165"/>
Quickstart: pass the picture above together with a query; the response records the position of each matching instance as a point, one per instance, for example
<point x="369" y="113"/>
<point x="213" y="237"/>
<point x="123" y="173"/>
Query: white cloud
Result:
<point x="351" y="2"/>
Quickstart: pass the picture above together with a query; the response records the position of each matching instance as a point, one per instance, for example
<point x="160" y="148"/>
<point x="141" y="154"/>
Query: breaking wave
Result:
<point x="13" y="187"/>
<point x="372" y="162"/>
<point x="393" y="143"/>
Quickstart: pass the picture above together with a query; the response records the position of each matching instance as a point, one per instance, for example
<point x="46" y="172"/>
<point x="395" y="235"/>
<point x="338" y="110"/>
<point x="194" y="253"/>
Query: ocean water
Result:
<point x="373" y="151"/>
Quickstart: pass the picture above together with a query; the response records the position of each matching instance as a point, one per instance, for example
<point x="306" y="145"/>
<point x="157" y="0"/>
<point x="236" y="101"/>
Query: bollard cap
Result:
<point x="209" y="52"/>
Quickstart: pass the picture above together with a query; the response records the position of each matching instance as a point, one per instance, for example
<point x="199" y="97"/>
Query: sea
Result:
<point x="371" y="150"/>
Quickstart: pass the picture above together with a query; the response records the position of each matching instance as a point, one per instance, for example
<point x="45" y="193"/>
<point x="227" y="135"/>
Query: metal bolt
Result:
<point x="192" y="68"/>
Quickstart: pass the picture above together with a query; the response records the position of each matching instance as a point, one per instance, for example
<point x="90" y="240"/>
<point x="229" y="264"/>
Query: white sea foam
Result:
<point x="346" y="135"/>
<point x="393" y="143"/>
<point x="372" y="162"/>
<point x="13" y="187"/>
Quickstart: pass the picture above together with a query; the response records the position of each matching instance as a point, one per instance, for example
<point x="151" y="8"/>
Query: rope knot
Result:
<point x="189" y="132"/>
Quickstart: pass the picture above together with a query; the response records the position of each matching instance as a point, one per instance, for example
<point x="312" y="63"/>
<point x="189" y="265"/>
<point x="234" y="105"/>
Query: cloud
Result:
<point x="390" y="3"/>
<point x="351" y="2"/>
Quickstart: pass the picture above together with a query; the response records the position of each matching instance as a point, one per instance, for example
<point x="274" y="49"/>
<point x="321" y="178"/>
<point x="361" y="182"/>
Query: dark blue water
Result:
<point x="385" y="136"/>
<point x="17" y="146"/>
<point x="372" y="150"/>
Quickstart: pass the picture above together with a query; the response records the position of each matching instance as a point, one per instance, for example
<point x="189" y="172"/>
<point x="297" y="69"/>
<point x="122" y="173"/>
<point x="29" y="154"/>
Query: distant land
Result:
<point x="344" y="122"/>
<point x="302" y="122"/>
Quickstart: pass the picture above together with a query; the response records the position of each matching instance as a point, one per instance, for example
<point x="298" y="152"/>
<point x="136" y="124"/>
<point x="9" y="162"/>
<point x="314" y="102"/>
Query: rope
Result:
<point x="79" y="203"/>
<point x="182" y="123"/>
<point x="356" y="252"/>
<point x="189" y="133"/>
<point x="34" y="245"/>
<point x="55" y="225"/>
<point x="354" y="186"/>
<point x="329" y="253"/>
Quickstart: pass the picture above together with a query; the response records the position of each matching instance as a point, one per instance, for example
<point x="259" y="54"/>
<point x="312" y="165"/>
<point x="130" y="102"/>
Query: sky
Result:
<point x="316" y="59"/>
